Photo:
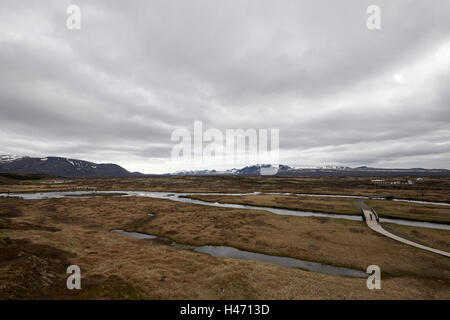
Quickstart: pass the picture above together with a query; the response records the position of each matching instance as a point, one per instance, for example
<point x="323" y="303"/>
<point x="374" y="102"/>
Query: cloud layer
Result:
<point x="115" y="90"/>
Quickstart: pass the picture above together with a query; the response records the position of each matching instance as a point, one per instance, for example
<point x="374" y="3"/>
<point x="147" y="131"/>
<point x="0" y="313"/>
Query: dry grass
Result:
<point x="385" y="208"/>
<point x="116" y="266"/>
<point x="412" y="211"/>
<point x="431" y="189"/>
<point x="311" y="204"/>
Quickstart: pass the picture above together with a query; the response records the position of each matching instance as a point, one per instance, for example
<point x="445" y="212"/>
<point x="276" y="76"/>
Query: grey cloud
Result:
<point x="138" y="70"/>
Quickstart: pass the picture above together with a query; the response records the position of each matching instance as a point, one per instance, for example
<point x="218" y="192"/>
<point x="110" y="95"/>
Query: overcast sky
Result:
<point x="115" y="90"/>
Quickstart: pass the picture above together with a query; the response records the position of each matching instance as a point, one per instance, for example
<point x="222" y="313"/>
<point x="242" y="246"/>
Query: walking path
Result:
<point x="373" y="222"/>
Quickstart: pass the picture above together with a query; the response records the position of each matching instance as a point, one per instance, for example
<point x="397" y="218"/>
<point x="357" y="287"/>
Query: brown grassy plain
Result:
<point x="40" y="238"/>
<point x="384" y="208"/>
<point x="431" y="189"/>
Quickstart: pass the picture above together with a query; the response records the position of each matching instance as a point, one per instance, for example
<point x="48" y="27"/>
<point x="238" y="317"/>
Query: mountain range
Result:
<point x="62" y="167"/>
<point x="74" y="168"/>
<point x="285" y="170"/>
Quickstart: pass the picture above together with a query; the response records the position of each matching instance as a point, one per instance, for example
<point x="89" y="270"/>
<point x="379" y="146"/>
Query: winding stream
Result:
<point x="174" y="196"/>
<point x="230" y="252"/>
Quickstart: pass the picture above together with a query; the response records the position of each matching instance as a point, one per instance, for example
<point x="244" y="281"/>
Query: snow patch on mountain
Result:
<point x="9" y="158"/>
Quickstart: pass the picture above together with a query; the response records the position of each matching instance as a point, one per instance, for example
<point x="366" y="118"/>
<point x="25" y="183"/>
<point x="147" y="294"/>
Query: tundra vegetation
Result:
<point x="39" y="239"/>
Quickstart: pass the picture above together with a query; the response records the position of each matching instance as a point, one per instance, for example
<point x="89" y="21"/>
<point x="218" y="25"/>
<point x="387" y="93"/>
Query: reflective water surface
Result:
<point x="178" y="197"/>
<point x="230" y="252"/>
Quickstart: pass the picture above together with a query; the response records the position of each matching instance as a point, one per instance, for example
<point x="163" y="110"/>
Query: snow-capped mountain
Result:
<point x="57" y="166"/>
<point x="327" y="170"/>
<point x="249" y="170"/>
<point x="9" y="158"/>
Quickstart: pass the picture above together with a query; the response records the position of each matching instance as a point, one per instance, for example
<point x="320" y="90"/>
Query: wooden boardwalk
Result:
<point x="373" y="222"/>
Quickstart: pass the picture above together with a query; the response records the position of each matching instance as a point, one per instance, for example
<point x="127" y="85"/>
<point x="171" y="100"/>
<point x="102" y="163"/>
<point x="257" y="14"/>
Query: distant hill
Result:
<point x="246" y="171"/>
<point x="63" y="167"/>
<point x="285" y="170"/>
